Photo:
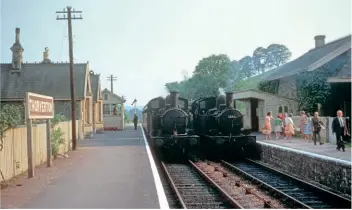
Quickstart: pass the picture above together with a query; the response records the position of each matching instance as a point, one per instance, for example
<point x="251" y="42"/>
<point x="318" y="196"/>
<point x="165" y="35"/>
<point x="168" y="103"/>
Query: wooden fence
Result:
<point x="13" y="156"/>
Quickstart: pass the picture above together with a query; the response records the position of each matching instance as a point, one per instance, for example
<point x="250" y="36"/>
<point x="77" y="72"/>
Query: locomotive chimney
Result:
<point x="174" y="98"/>
<point x="229" y="99"/>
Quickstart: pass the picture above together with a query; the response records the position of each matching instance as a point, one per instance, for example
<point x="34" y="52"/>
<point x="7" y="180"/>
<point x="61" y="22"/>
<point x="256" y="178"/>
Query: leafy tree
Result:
<point x="234" y="74"/>
<point x="211" y="72"/>
<point x="277" y="55"/>
<point x="172" y="86"/>
<point x="246" y="66"/>
<point x="260" y="59"/>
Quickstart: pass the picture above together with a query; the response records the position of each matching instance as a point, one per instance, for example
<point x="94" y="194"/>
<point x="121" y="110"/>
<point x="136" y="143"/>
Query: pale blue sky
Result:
<point x="148" y="43"/>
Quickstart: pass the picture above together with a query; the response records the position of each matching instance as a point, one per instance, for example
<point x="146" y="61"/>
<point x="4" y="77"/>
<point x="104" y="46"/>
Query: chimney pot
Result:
<point x="174" y="98"/>
<point x="46" y="58"/>
<point x="319" y="40"/>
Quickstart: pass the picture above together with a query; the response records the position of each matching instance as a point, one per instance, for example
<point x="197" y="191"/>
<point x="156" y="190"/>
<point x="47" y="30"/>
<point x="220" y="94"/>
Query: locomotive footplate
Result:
<point x="183" y="140"/>
<point x="239" y="139"/>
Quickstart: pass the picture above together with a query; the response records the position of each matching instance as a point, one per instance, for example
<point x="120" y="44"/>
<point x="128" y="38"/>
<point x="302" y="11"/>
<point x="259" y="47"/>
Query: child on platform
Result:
<point x="278" y="126"/>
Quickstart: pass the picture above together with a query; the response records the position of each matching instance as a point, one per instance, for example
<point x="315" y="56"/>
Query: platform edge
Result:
<point x="309" y="154"/>
<point x="163" y="204"/>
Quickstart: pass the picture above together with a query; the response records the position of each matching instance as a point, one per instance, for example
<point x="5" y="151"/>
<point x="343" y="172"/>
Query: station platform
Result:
<point x="113" y="170"/>
<point x="327" y="149"/>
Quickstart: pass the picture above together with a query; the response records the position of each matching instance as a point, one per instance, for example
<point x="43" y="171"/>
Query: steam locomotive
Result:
<point x="167" y="123"/>
<point x="221" y="128"/>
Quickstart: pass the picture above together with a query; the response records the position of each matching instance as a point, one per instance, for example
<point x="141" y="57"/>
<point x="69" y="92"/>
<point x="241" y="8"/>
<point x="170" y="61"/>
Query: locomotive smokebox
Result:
<point x="174" y="98"/>
<point x="229" y="99"/>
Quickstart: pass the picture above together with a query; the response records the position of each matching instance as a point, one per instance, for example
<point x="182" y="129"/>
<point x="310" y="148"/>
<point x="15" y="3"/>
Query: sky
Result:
<point x="146" y="44"/>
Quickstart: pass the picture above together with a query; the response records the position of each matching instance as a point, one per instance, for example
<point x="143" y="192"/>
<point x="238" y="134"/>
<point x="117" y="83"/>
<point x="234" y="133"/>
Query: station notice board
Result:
<point x="38" y="107"/>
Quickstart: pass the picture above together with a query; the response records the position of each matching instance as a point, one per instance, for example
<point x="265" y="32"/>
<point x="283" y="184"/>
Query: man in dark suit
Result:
<point x="135" y="121"/>
<point x="339" y="129"/>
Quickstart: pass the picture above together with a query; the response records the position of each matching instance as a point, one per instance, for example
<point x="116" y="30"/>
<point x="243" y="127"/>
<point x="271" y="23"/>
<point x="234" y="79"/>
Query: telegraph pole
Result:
<point x="111" y="79"/>
<point x="73" y="100"/>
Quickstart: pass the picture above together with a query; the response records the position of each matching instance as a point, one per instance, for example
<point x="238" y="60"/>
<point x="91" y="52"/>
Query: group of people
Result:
<point x="283" y="124"/>
<point x="308" y="127"/>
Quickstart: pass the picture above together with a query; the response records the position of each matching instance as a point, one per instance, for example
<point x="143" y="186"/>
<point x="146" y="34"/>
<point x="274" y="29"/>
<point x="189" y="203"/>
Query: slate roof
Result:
<point x="94" y="80"/>
<point x="119" y="97"/>
<point x="307" y="59"/>
<point x="47" y="79"/>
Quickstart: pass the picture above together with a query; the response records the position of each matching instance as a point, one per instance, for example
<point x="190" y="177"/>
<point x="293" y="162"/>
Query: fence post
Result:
<point x="30" y="149"/>
<point x="48" y="143"/>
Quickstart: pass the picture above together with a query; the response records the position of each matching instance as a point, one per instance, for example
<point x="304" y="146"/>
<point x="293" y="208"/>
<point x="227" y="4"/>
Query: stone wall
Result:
<point x="316" y="169"/>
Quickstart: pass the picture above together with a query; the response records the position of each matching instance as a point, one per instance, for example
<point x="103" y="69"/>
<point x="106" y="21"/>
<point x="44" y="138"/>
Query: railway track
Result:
<point x="295" y="193"/>
<point x="195" y="190"/>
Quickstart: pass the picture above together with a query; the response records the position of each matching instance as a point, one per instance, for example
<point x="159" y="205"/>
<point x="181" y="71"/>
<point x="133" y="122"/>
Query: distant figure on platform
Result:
<point x="283" y="118"/>
<point x="289" y="126"/>
<point x="308" y="129"/>
<point x="302" y="123"/>
<point x="278" y="126"/>
<point x="339" y="128"/>
<point x="317" y="125"/>
<point x="135" y="121"/>
<point x="267" y="126"/>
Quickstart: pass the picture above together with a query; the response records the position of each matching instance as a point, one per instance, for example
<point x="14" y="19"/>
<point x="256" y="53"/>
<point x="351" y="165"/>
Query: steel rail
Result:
<point x="332" y="199"/>
<point x="267" y="203"/>
<point x="265" y="184"/>
<point x="173" y="186"/>
<point x="233" y="202"/>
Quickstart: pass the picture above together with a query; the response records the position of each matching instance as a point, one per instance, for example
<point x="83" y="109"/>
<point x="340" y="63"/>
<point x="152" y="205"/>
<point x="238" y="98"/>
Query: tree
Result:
<point x="172" y="86"/>
<point x="260" y="59"/>
<point x="211" y="73"/>
<point x="277" y="55"/>
<point x="246" y="66"/>
<point x="234" y="74"/>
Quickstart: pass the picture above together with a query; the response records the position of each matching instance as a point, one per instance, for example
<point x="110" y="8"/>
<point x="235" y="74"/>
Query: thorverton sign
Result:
<point x="39" y="106"/>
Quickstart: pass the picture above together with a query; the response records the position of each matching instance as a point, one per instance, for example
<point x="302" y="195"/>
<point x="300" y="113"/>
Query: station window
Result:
<point x="280" y="109"/>
<point x="105" y="96"/>
<point x="285" y="108"/>
<point x="106" y="109"/>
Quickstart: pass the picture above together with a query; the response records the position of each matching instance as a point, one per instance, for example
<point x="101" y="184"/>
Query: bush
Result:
<point x="56" y="140"/>
<point x="10" y="117"/>
<point x="57" y="134"/>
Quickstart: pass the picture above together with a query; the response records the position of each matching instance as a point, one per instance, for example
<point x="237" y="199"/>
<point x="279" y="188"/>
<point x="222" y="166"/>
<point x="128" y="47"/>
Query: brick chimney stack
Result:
<point x="46" y="58"/>
<point x="17" y="50"/>
<point x="319" y="40"/>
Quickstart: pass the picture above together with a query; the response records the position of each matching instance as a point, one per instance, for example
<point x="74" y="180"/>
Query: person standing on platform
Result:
<point x="308" y="128"/>
<point x="278" y="127"/>
<point x="302" y="123"/>
<point x="283" y="118"/>
<point x="267" y="126"/>
<point x="339" y="129"/>
<point x="317" y="126"/>
<point x="289" y="126"/>
<point x="135" y="121"/>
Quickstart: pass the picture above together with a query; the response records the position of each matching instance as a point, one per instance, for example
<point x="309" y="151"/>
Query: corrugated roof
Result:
<point x="51" y="79"/>
<point x="309" y="58"/>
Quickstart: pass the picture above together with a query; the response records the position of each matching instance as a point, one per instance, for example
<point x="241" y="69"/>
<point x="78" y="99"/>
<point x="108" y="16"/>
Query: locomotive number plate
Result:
<point x="231" y="116"/>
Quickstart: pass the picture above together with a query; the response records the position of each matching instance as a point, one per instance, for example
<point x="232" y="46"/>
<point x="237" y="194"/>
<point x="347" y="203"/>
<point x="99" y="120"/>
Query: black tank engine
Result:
<point x="167" y="122"/>
<point x="220" y="126"/>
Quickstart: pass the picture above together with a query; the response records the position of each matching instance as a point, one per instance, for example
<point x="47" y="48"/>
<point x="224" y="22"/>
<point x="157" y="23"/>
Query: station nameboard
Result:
<point x="39" y="106"/>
